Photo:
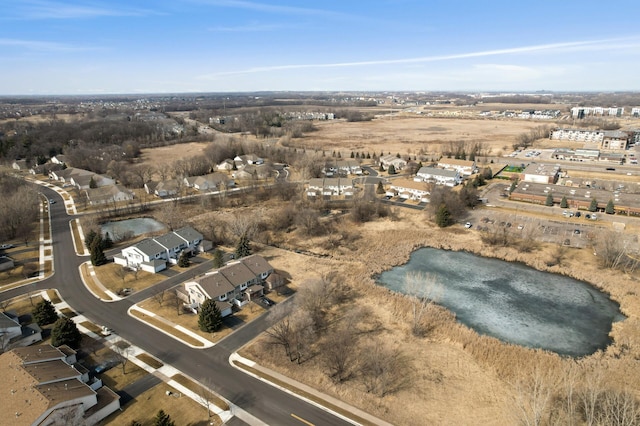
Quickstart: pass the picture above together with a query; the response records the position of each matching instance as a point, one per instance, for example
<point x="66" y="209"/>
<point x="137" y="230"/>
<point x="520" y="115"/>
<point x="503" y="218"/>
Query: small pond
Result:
<point x="513" y="302"/>
<point x="131" y="227"/>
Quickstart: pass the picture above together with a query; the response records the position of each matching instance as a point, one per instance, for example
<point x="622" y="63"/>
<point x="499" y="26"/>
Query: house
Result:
<point x="80" y="178"/>
<point x="42" y="388"/>
<point x="541" y="173"/>
<point x="59" y="159"/>
<point x="439" y="176"/>
<point x="248" y="159"/>
<point x="210" y="182"/>
<point x="45" y="169"/>
<point x="330" y="187"/>
<point x="152" y="254"/>
<point x="166" y="188"/>
<point x="393" y="160"/>
<point x="227" y="165"/>
<point x="237" y="283"/>
<point x="410" y="189"/>
<point x="20" y="165"/>
<point x="13" y="334"/>
<point x="108" y="194"/>
<point x="343" y="167"/>
<point x="252" y="172"/>
<point x="464" y="167"/>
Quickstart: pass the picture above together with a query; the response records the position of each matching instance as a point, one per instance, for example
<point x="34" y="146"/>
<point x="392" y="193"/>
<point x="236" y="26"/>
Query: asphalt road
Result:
<point x="265" y="402"/>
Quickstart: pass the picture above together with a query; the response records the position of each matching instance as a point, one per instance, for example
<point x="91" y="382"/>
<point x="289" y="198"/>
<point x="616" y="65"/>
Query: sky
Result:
<point x="94" y="47"/>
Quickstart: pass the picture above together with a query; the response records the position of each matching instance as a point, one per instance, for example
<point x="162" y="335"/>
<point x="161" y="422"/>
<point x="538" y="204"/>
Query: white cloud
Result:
<point x="270" y="8"/>
<point x="42" y="46"/>
<point x="565" y="47"/>
<point x="45" y="9"/>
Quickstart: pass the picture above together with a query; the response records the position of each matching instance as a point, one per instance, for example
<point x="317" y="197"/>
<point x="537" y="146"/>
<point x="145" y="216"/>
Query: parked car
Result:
<point x="6" y="246"/>
<point x="578" y="214"/>
<point x="52" y="201"/>
<point x="576" y="231"/>
<point x="467" y="225"/>
<point x="587" y="216"/>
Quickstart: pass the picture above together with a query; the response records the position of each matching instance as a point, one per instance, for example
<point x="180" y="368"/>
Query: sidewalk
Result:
<point x="358" y="415"/>
<point x="166" y="371"/>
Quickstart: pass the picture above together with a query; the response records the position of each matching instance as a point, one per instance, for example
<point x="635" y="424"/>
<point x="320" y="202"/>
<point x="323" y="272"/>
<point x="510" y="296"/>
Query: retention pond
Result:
<point x="511" y="301"/>
<point x="131" y="227"/>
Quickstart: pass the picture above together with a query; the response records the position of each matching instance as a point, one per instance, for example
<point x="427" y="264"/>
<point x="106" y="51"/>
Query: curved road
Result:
<point x="263" y="401"/>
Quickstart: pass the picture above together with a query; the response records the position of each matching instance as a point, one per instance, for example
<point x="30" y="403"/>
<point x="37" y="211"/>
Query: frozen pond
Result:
<point x="513" y="302"/>
<point x="131" y="227"/>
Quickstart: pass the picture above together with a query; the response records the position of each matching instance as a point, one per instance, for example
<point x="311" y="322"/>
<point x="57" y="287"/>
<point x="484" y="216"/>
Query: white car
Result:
<point x="467" y="225"/>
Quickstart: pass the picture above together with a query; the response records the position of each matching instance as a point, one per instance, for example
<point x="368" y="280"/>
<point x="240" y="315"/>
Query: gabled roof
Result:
<point x="29" y="354"/>
<point x="237" y="273"/>
<point x="169" y="240"/>
<point x="6" y="322"/>
<point x="437" y="172"/>
<point x="257" y="264"/>
<point x="215" y="284"/>
<point x="149" y="247"/>
<point x="108" y="192"/>
<point x="456" y="162"/>
<point x="189" y="234"/>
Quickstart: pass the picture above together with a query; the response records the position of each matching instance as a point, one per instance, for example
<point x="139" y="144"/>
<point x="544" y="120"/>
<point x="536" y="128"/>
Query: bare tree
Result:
<point x="422" y="290"/>
<point x="532" y="397"/>
<point x="122" y="273"/>
<point x="618" y="408"/>
<point x="244" y="224"/>
<point x="339" y="353"/>
<point x="159" y="297"/>
<point x="590" y="394"/>
<point x="122" y="350"/>
<point x="384" y="369"/>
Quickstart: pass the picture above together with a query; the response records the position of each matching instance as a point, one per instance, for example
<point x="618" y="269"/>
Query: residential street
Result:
<point x="263" y="401"/>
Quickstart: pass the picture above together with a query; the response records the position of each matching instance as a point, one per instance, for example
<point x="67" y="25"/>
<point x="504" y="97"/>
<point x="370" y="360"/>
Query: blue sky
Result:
<point x="133" y="46"/>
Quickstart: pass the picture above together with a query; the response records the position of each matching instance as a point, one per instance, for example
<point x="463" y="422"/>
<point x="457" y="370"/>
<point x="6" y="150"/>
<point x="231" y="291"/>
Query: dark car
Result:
<point x="578" y="214"/>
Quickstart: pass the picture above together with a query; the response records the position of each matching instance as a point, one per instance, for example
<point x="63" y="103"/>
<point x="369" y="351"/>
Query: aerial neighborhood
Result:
<point x="121" y="261"/>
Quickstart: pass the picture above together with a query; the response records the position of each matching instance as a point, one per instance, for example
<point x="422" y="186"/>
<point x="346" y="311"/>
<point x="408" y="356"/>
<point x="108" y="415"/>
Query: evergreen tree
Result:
<point x="210" y="318"/>
<point x="107" y="242"/>
<point x="380" y="189"/>
<point x="594" y="205"/>
<point x="368" y="156"/>
<point x="339" y="154"/>
<point x="443" y="216"/>
<point x="97" y="253"/>
<point x="513" y="186"/>
<point x="563" y="203"/>
<point x="357" y="155"/>
<point x="218" y="259"/>
<point x="183" y="260"/>
<point x="163" y="419"/>
<point x="65" y="332"/>
<point x="549" y="201"/>
<point x="381" y="169"/>
<point x="610" y="208"/>
<point x="243" y="249"/>
<point x="391" y="170"/>
<point x="89" y="237"/>
<point x="398" y="155"/>
<point x="92" y="183"/>
<point x="352" y="155"/>
<point x="45" y="313"/>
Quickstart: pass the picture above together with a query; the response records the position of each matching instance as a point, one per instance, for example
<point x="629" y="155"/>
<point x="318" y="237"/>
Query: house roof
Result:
<point x="437" y="172"/>
<point x="26" y="394"/>
<point x="108" y="192"/>
<point x="39" y="353"/>
<point x="257" y="264"/>
<point x="189" y="234"/>
<point x="169" y="240"/>
<point x="149" y="247"/>
<point x="167" y="185"/>
<point x="215" y="284"/>
<point x="6" y="322"/>
<point x="456" y="162"/>
<point x="405" y="183"/>
<point x="237" y="273"/>
<point x="51" y="371"/>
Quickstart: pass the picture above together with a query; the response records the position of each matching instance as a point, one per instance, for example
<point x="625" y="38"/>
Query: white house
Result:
<point x="409" y="189"/>
<point x="108" y="194"/>
<point x="439" y="176"/>
<point x="388" y="160"/>
<point x="464" y="167"/>
<point x="248" y="159"/>
<point x="330" y="187"/>
<point x="236" y="283"/>
<point x="152" y="254"/>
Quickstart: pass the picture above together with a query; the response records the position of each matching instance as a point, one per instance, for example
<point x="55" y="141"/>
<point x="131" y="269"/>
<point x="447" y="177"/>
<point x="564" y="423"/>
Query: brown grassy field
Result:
<point x="460" y="377"/>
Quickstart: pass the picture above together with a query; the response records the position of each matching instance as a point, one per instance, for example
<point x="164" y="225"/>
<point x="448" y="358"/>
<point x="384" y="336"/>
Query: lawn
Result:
<point x="76" y="236"/>
<point x="116" y="377"/>
<point x="84" y="269"/>
<point x="24" y="304"/>
<point x="166" y="327"/>
<point x="198" y="389"/>
<point x="114" y="277"/>
<point x="183" y="410"/>
<point x="189" y="321"/>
